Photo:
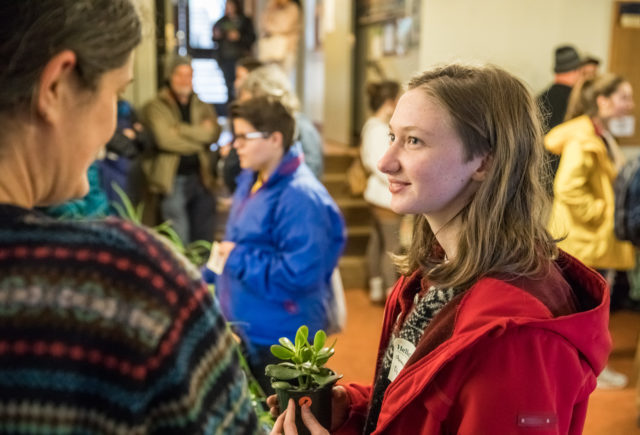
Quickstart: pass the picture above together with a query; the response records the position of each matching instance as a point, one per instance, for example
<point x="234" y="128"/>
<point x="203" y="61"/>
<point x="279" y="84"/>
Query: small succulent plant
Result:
<point x="303" y="365"/>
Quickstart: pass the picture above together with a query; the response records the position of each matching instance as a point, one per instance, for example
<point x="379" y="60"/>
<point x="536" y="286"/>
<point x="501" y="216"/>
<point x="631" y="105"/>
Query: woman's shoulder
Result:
<point x="547" y="295"/>
<point x="114" y="246"/>
<point x="304" y="187"/>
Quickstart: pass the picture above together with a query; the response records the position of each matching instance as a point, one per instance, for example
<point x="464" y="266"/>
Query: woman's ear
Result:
<point x="54" y="82"/>
<point x="485" y="166"/>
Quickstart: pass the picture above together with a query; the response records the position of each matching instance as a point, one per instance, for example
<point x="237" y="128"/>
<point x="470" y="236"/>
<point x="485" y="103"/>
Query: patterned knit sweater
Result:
<point x="104" y="330"/>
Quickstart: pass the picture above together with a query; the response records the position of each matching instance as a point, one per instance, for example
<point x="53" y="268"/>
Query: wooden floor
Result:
<point x="610" y="412"/>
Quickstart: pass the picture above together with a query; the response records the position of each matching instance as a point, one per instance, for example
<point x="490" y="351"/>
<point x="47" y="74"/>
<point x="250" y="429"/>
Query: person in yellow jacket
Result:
<point x="583" y="206"/>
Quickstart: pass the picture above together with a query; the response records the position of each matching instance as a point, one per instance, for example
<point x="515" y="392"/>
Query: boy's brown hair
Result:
<point x="267" y="115"/>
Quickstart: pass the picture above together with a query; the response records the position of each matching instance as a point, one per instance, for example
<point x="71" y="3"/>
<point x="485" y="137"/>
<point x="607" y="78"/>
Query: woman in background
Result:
<point x="384" y="240"/>
<point x="280" y="26"/>
<point x="583" y="205"/>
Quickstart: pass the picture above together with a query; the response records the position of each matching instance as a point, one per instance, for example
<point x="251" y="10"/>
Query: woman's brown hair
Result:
<point x="380" y="92"/>
<point x="101" y="33"/>
<point x="585" y="93"/>
<point x="504" y="224"/>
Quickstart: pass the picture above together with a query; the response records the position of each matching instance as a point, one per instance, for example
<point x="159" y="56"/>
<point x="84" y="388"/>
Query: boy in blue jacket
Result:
<point x="283" y="238"/>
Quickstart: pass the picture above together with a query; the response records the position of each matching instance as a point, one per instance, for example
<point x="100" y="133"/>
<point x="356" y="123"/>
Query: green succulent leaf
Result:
<point x="321" y="380"/>
<point x="319" y="339"/>
<point x="282" y="385"/>
<point x="285" y="342"/>
<point x="324" y="371"/>
<point x="324" y="355"/>
<point x="281" y="352"/>
<point x="326" y="352"/>
<point x="301" y="336"/>
<point x="307" y="354"/>
<point x="281" y="372"/>
<point x="310" y="367"/>
<point x="288" y="364"/>
<point x="333" y="344"/>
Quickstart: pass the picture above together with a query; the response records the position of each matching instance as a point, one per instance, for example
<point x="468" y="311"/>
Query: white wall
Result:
<point x="144" y="86"/>
<point x="312" y="95"/>
<point x="338" y="72"/>
<point x="518" y="35"/>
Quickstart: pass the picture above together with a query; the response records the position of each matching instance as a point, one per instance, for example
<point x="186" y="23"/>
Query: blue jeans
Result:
<point x="191" y="208"/>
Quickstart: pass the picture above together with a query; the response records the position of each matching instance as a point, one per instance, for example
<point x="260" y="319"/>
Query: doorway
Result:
<point x="193" y="21"/>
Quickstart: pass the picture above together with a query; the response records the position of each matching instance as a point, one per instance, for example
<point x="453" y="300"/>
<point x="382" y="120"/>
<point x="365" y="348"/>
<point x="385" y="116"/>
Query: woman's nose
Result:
<point x="389" y="163"/>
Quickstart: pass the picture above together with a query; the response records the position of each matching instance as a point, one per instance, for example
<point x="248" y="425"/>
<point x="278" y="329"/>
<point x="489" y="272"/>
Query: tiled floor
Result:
<point x="610" y="412"/>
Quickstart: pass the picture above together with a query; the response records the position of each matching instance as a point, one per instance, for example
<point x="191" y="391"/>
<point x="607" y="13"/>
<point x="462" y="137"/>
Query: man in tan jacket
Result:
<point x="180" y="170"/>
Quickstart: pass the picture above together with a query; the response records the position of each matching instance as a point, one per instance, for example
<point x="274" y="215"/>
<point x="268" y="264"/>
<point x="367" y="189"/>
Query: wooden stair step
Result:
<point x="353" y="269"/>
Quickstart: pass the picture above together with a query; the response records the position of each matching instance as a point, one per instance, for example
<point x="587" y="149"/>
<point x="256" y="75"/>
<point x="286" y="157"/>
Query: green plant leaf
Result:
<point x="129" y="212"/>
<point x="333" y="344"/>
<point x="167" y="231"/>
<point x="324" y="355"/>
<point x="281" y="385"/>
<point x="324" y="371"/>
<point x="307" y="354"/>
<point x="121" y="211"/>
<point x="319" y="339"/>
<point x="301" y="337"/>
<point x="282" y="373"/>
<point x="324" y="380"/>
<point x="140" y="211"/>
<point x="287" y="343"/>
<point x="309" y="367"/>
<point x="203" y="245"/>
<point x="326" y="351"/>
<point x="281" y="352"/>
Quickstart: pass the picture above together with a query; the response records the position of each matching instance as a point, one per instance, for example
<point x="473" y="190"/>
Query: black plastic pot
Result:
<point x="319" y="401"/>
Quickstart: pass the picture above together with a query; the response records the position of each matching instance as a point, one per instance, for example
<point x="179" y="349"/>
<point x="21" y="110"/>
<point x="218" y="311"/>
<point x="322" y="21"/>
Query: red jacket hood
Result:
<point x="493" y="303"/>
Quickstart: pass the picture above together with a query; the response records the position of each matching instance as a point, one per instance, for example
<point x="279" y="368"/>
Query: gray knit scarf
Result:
<point x="425" y="307"/>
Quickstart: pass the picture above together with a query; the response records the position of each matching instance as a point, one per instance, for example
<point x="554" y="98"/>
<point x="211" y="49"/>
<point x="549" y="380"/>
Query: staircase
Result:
<point x="356" y="213"/>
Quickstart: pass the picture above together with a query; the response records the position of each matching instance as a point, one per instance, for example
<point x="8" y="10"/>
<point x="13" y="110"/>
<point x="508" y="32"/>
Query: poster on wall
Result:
<point x="630" y="15"/>
<point x="398" y="22"/>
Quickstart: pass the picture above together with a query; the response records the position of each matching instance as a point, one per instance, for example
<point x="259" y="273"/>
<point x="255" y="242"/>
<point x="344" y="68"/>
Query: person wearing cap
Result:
<point x="179" y="171"/>
<point x="553" y="100"/>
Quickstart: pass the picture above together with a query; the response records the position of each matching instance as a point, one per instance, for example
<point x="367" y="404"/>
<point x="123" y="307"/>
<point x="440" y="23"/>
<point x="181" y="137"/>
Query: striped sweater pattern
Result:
<point x="104" y="329"/>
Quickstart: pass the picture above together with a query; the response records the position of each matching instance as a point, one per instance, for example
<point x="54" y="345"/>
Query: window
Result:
<point x="208" y="81"/>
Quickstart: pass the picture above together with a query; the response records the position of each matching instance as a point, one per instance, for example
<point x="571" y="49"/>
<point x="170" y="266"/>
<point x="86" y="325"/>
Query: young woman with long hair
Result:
<point x="491" y="329"/>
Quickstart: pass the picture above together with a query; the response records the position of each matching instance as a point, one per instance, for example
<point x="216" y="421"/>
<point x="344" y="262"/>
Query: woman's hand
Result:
<point x="224" y="249"/>
<point x="339" y="407"/>
<point x="286" y="423"/>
